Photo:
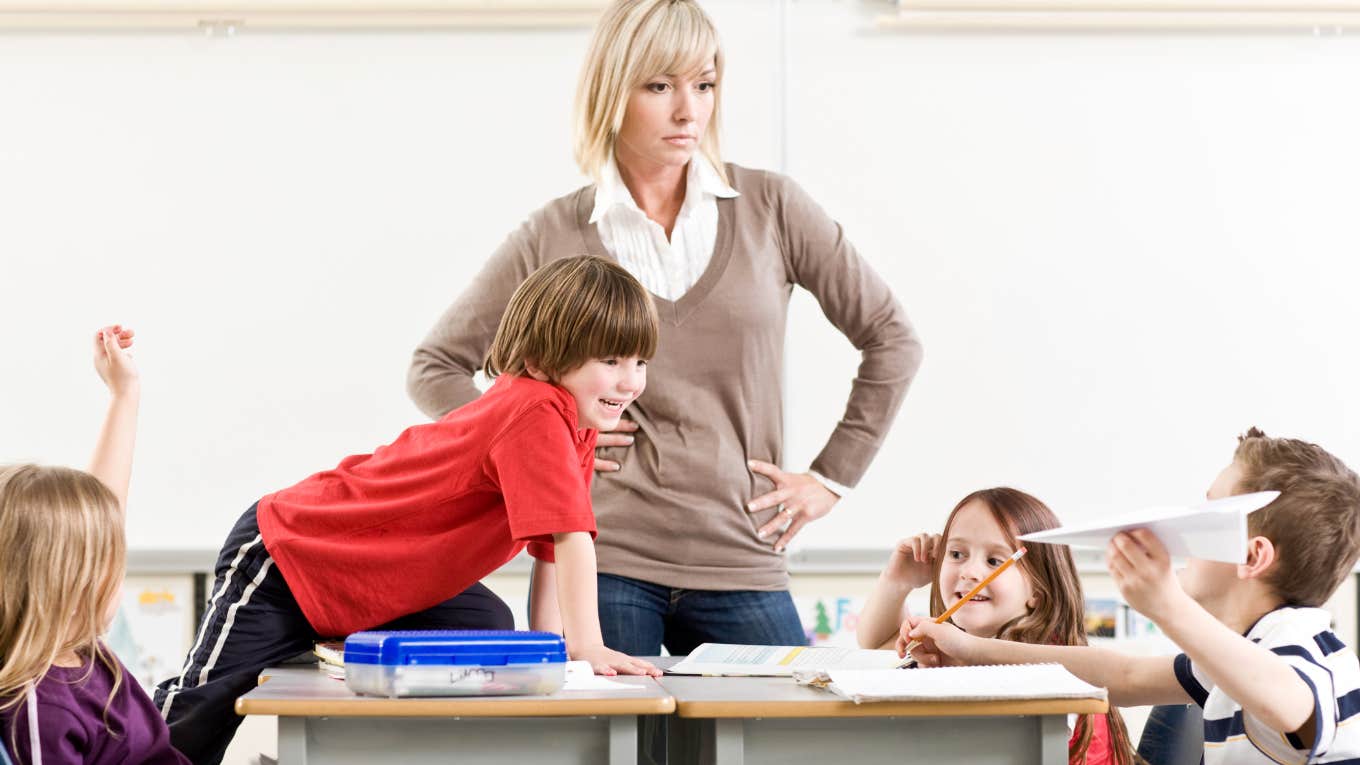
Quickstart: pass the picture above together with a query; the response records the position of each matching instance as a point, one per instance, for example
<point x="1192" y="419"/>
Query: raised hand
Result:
<point x="1142" y="571"/>
<point x="112" y="458"/>
<point x="112" y="360"/>
<point x="913" y="559"/>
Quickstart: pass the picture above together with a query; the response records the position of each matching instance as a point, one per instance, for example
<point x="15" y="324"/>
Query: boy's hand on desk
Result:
<point x="607" y="661"/>
<point x="1141" y="568"/>
<point x="937" y="645"/>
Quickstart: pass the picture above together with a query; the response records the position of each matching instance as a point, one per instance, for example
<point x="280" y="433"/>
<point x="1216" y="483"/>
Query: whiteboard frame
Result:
<point x="1317" y="16"/>
<point x="233" y="16"/>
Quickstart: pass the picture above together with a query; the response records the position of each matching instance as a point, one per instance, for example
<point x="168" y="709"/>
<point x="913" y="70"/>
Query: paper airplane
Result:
<point x="1213" y="530"/>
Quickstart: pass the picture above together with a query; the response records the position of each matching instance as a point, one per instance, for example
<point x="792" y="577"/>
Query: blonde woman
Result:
<point x="692" y="506"/>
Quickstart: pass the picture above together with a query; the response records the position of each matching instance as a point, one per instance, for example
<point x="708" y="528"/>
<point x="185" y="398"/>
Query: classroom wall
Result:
<point x="1120" y="249"/>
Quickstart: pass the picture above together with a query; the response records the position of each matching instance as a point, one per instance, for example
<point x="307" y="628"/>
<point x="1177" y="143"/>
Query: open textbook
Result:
<point x="1213" y="530"/>
<point x="985" y="683"/>
<point x="719" y="659"/>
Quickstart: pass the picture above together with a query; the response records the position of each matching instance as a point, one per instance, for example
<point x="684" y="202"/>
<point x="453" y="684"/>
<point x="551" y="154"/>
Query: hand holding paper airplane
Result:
<point x="1213" y="530"/>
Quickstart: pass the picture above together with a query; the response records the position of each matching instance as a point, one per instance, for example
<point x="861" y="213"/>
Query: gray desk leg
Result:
<point x="292" y="741"/>
<point x="729" y="744"/>
<point x="623" y="740"/>
<point x="1053" y="737"/>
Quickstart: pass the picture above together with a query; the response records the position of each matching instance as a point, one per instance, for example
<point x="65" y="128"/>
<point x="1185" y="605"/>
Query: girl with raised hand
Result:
<point x="64" y="696"/>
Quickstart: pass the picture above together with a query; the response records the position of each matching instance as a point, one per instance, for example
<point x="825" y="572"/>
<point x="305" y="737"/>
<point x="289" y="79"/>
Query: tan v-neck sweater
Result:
<point x="674" y="514"/>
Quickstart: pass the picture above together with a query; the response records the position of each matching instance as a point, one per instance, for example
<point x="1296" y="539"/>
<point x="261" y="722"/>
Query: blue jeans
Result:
<point x="639" y="617"/>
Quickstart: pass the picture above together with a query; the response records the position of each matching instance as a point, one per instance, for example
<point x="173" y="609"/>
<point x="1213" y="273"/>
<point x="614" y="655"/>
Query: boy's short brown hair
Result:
<point x="1315" y="522"/>
<point x="570" y="311"/>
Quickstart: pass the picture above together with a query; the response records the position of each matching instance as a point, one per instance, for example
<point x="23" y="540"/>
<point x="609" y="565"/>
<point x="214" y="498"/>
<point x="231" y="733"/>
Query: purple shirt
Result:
<point x="71" y="722"/>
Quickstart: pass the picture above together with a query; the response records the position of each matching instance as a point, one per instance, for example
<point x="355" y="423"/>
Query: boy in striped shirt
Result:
<point x="1276" y="685"/>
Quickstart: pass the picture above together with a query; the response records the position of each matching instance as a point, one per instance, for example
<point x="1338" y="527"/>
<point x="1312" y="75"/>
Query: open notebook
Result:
<point x="986" y="683"/>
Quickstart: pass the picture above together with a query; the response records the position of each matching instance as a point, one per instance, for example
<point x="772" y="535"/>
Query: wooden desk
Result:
<point x="759" y="720"/>
<point x="322" y="721"/>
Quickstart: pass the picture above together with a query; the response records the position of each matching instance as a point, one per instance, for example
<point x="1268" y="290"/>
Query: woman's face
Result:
<point x="665" y="119"/>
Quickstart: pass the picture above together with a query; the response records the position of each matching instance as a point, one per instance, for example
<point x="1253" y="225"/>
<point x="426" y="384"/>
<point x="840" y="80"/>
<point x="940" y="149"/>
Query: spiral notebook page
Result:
<point x="989" y="683"/>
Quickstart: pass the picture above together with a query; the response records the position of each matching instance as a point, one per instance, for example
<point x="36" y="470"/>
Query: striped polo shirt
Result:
<point x="1303" y="638"/>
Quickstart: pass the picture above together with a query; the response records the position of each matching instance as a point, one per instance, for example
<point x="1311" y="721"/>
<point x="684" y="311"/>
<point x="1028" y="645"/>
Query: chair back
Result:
<point x="1173" y="735"/>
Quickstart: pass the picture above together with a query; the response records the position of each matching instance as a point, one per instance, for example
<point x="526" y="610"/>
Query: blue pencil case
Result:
<point x="455" y="663"/>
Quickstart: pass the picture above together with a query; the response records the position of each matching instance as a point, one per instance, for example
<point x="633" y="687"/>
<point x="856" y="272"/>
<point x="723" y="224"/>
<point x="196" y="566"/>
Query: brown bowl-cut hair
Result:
<point x="1315" y="522"/>
<point x="569" y="312"/>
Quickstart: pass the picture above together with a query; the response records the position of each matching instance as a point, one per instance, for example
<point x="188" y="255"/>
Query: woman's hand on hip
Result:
<point x="621" y="437"/>
<point x="800" y="497"/>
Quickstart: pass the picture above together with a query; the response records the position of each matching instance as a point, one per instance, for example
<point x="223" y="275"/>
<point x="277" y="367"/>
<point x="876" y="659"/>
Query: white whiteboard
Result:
<point x="1120" y="251"/>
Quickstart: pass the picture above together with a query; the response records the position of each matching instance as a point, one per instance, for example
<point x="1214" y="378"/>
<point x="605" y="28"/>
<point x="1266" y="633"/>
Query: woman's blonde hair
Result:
<point x="571" y="311"/>
<point x="61" y="569"/>
<point x="634" y="41"/>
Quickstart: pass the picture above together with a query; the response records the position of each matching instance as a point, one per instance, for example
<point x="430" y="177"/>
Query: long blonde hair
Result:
<point x="61" y="569"/>
<point x="636" y="40"/>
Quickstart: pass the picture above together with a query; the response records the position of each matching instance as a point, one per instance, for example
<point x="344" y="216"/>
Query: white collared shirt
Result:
<point x="667" y="268"/>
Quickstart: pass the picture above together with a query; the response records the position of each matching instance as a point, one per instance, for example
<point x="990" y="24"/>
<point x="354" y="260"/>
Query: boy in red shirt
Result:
<point x="399" y="538"/>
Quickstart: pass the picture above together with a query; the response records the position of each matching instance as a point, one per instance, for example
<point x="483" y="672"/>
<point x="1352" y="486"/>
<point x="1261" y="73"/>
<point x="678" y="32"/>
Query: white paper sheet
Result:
<point x="721" y="659"/>
<point x="1213" y="530"/>
<point x="580" y="677"/>
<point x="983" y="683"/>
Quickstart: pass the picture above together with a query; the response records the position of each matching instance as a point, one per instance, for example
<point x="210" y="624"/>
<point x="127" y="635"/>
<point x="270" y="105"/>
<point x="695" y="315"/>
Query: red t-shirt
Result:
<point x="420" y="520"/>
<point x="1098" y="753"/>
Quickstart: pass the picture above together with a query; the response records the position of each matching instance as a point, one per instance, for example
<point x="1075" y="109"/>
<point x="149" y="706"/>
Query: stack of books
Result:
<point x="331" y="658"/>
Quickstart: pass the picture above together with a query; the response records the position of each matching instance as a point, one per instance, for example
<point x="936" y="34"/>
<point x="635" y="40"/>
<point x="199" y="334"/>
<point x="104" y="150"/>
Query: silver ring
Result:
<point x="786" y="511"/>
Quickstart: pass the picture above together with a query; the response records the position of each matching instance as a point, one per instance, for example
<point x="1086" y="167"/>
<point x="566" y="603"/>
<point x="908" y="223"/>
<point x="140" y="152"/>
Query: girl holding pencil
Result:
<point x="1037" y="599"/>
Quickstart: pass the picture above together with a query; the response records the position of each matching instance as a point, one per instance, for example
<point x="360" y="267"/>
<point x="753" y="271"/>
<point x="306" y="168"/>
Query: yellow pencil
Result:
<point x="944" y="617"/>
